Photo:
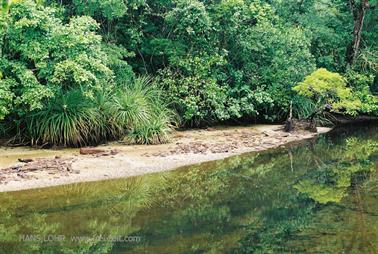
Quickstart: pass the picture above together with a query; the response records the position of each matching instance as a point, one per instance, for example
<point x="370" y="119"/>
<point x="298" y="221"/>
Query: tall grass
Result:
<point x="133" y="104"/>
<point x="144" y="116"/>
<point x="134" y="113"/>
<point x="103" y="101"/>
<point x="155" y="130"/>
<point x="70" y="119"/>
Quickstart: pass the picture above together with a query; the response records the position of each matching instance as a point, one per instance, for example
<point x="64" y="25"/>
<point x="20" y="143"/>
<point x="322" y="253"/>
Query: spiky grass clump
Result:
<point x="142" y="114"/>
<point x="131" y="105"/>
<point x="70" y="119"/>
<point x="103" y="101"/>
<point x="150" y="133"/>
<point x="134" y="112"/>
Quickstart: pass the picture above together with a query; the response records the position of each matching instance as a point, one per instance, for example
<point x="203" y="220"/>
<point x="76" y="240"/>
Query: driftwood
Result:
<point x="90" y="150"/>
<point x="25" y="160"/>
<point x="289" y="124"/>
<point x="336" y="118"/>
<point x="98" y="152"/>
<point x="300" y="124"/>
<point x="293" y="124"/>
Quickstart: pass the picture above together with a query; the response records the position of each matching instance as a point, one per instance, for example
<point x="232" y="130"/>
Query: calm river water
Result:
<point x="320" y="196"/>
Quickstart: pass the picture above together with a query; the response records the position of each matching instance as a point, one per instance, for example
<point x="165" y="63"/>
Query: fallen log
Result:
<point x="25" y="160"/>
<point x="90" y="150"/>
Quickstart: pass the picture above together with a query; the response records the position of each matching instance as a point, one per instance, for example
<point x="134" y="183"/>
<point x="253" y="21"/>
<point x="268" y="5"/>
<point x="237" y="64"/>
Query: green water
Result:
<point x="320" y="196"/>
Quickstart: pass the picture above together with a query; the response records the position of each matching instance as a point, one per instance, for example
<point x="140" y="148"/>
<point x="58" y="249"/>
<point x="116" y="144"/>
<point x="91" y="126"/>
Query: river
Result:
<point x="319" y="196"/>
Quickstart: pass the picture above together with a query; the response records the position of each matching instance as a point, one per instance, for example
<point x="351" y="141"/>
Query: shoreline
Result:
<point x="116" y="160"/>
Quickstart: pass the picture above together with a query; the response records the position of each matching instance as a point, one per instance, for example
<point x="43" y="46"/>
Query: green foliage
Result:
<point x="281" y="59"/>
<point x="139" y="112"/>
<point x="193" y="92"/>
<point x="323" y="82"/>
<point x="70" y="119"/>
<point x="229" y="60"/>
<point x="6" y="96"/>
<point x="73" y="119"/>
<point x="109" y="9"/>
<point x="367" y="60"/>
<point x="328" y="88"/>
<point x="362" y="85"/>
<point x="41" y="55"/>
<point x="328" y="25"/>
<point x="123" y="72"/>
<point x="189" y="20"/>
<point x="236" y="53"/>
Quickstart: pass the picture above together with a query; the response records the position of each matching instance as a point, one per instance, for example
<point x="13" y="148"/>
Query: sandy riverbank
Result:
<point x="51" y="168"/>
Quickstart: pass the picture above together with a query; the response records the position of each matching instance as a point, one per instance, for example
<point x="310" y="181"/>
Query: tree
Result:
<point x="328" y="90"/>
<point x="359" y="9"/>
<point x="41" y="55"/>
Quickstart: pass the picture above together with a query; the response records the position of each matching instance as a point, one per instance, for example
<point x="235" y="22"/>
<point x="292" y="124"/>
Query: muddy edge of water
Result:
<point x="187" y="148"/>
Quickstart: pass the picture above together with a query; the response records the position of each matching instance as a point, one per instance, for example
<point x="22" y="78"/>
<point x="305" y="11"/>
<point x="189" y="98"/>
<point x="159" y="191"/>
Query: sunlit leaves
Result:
<point x="42" y="53"/>
<point x="330" y="88"/>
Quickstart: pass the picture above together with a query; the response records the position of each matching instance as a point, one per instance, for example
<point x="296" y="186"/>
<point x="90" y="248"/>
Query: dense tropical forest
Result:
<point x="75" y="72"/>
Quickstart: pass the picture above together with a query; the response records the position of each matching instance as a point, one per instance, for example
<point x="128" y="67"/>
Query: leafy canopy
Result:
<point x="42" y="54"/>
<point x="325" y="87"/>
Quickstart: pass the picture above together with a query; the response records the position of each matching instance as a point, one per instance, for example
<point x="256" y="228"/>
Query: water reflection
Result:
<point x="319" y="197"/>
<point x="333" y="177"/>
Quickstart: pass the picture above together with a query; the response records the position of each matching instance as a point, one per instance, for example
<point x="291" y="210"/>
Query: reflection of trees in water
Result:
<point x="92" y="209"/>
<point x="265" y="202"/>
<point x="351" y="226"/>
<point x="332" y="178"/>
<point x="223" y="201"/>
<point x="260" y="194"/>
<point x="12" y="228"/>
<point x="348" y="227"/>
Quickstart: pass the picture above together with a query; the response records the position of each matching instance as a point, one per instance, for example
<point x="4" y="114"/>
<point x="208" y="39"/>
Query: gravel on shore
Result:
<point x="115" y="160"/>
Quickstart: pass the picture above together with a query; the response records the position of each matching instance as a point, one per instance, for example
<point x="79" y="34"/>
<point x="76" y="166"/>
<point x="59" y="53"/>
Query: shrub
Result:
<point x="69" y="119"/>
<point x="192" y="89"/>
<point x="328" y="88"/>
<point x="41" y="54"/>
<point x="134" y="112"/>
<point x="198" y="100"/>
<point x="152" y="132"/>
<point x="132" y="103"/>
<point x="6" y="96"/>
<point x="139" y="113"/>
<point x="362" y="83"/>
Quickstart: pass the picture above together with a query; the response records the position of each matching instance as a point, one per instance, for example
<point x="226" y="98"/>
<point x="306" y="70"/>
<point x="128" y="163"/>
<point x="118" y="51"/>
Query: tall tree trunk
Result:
<point x="359" y="12"/>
